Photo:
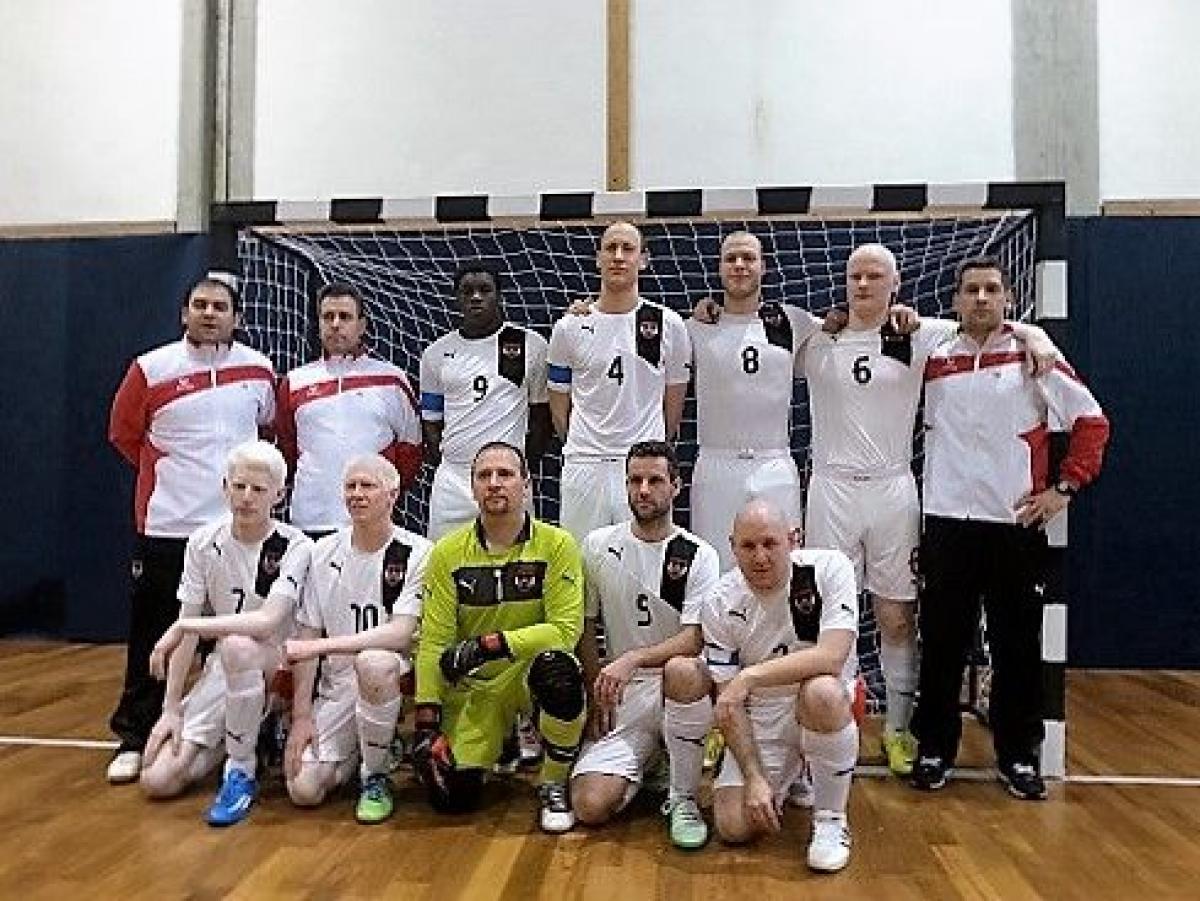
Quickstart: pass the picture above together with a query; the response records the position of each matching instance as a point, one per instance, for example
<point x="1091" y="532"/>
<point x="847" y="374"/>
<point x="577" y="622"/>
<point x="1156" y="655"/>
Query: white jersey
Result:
<point x="616" y="367"/>
<point x="335" y="409"/>
<point x="350" y="591"/>
<point x="740" y="630"/>
<point x="481" y="388"/>
<point x="645" y="591"/>
<point x="987" y="439"/>
<point x="744" y="366"/>
<point x="864" y="387"/>
<point x="222" y="575"/>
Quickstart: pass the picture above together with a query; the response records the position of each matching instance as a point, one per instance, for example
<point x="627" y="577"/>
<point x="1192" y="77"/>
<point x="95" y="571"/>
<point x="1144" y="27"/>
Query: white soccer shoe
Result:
<point x="556" y="815"/>
<point x="125" y="767"/>
<point x="829" y="849"/>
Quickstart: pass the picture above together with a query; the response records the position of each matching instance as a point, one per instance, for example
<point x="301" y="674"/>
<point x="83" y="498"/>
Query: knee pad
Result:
<point x="556" y="683"/>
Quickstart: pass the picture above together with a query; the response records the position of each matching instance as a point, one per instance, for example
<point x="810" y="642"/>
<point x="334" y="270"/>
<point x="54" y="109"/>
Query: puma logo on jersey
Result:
<point x="335" y="566"/>
<point x="740" y="614"/>
<point x="587" y="328"/>
<point x="691" y="741"/>
<point x="616" y="552"/>
<point x="448" y="354"/>
<point x="465" y="584"/>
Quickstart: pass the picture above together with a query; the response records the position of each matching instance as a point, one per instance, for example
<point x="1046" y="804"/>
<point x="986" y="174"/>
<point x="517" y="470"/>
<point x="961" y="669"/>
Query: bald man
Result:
<point x="779" y="635"/>
<point x="616" y="377"/>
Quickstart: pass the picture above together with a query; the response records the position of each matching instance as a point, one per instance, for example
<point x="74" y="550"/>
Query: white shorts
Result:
<point x="592" y="494"/>
<point x="335" y="715"/>
<point x="204" y="705"/>
<point x="780" y="742"/>
<point x="875" y="522"/>
<point x="451" y="503"/>
<point x="723" y="481"/>
<point x="634" y="740"/>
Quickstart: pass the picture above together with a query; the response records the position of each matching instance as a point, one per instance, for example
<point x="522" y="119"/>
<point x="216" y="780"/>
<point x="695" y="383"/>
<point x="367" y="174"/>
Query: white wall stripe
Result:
<point x="1054" y="633"/>
<point x="302" y="211"/>
<point x="407" y="208"/>
<point x="1054" y="749"/>
<point x="617" y="203"/>
<point x="1050" y="289"/>
<point x="963" y="194"/>
<point x="841" y="197"/>
<point x="526" y="207"/>
<point x="729" y="200"/>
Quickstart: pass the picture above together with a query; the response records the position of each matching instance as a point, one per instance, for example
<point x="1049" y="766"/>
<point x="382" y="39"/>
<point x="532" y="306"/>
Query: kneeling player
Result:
<point x="364" y="593"/>
<point x="242" y="578"/>
<point x="779" y="634"/>
<point x="503" y="609"/>
<point x="646" y="578"/>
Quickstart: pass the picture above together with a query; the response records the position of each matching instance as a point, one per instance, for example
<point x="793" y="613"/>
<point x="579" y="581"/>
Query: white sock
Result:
<point x="376" y="729"/>
<point x="831" y="757"/>
<point x="685" y="727"/>
<point x="899" y="665"/>
<point x="245" y="699"/>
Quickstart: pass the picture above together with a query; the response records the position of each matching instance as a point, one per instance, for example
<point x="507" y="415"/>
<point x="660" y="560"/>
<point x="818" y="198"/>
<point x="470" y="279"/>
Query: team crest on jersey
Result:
<point x="269" y="564"/>
<point x="648" y="329"/>
<point x="184" y="384"/>
<point x="677" y="567"/>
<point x="525" y="576"/>
<point x="771" y="317"/>
<point x="805" y="600"/>
<point x="393" y="574"/>
<point x="135" y="569"/>
<point x="511" y="350"/>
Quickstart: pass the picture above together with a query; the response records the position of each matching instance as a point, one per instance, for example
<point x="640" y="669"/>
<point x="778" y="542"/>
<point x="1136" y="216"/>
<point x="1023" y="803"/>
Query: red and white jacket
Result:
<point x="987" y="442"/>
<point x="179" y="411"/>
<point x="335" y="409"/>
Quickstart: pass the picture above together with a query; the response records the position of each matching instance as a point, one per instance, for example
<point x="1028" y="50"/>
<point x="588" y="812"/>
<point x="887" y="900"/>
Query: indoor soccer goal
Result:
<point x="402" y="256"/>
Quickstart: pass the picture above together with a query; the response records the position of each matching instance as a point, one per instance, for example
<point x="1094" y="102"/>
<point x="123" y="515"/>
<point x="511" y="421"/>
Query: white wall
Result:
<point x="1149" y="84"/>
<point x="411" y="98"/>
<point x="810" y="92"/>
<point x="89" y="106"/>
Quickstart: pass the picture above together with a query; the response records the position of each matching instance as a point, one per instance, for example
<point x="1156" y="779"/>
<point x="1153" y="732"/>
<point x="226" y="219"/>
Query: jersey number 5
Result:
<point x="643" y="605"/>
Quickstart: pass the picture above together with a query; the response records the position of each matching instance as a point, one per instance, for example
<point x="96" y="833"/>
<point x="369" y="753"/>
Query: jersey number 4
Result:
<point x="616" y="370"/>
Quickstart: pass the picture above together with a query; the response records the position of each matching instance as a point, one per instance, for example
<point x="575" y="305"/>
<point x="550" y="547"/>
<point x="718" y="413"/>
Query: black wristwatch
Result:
<point x="1065" y="488"/>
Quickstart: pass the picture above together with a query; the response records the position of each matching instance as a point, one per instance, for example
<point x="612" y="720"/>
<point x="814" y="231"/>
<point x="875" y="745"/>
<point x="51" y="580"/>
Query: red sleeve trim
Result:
<point x="285" y="424"/>
<point x="406" y="458"/>
<point x="130" y="417"/>
<point x="1085" y="452"/>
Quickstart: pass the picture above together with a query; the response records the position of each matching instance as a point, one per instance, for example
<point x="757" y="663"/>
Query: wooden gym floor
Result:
<point x="1124" y="824"/>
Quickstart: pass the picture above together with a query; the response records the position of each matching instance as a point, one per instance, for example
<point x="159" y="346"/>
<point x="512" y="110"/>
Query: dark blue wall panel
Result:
<point x="78" y="310"/>
<point x="1134" y="562"/>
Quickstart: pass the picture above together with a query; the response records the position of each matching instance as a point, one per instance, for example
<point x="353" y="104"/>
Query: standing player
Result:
<point x="779" y="635"/>
<point x="864" y="387"/>
<point x="484" y="382"/>
<point x="988" y="493"/>
<point x="364" y="594"/>
<point x="645" y="579"/>
<point x="503" y="611"/>
<point x="744" y="366"/>
<point x="616" y="377"/>
<point x="242" y="577"/>
<point x="346" y="404"/>
<point x="178" y="412"/>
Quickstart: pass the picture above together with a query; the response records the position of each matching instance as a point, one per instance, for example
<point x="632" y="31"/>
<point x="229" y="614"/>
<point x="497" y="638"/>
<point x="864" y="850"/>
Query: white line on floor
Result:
<point x="873" y="771"/>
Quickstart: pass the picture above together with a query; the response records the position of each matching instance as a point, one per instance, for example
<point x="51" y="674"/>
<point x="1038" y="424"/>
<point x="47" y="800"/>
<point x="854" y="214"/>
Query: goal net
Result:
<point x="405" y="276"/>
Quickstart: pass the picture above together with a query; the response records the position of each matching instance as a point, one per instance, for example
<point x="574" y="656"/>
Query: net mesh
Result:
<point x="406" y="277"/>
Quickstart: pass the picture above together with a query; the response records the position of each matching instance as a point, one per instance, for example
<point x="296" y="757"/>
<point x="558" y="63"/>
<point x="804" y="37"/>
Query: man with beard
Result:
<point x="645" y="579"/>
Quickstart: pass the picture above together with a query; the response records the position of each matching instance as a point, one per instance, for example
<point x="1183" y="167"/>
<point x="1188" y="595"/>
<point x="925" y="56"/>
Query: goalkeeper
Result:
<point x="503" y="611"/>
